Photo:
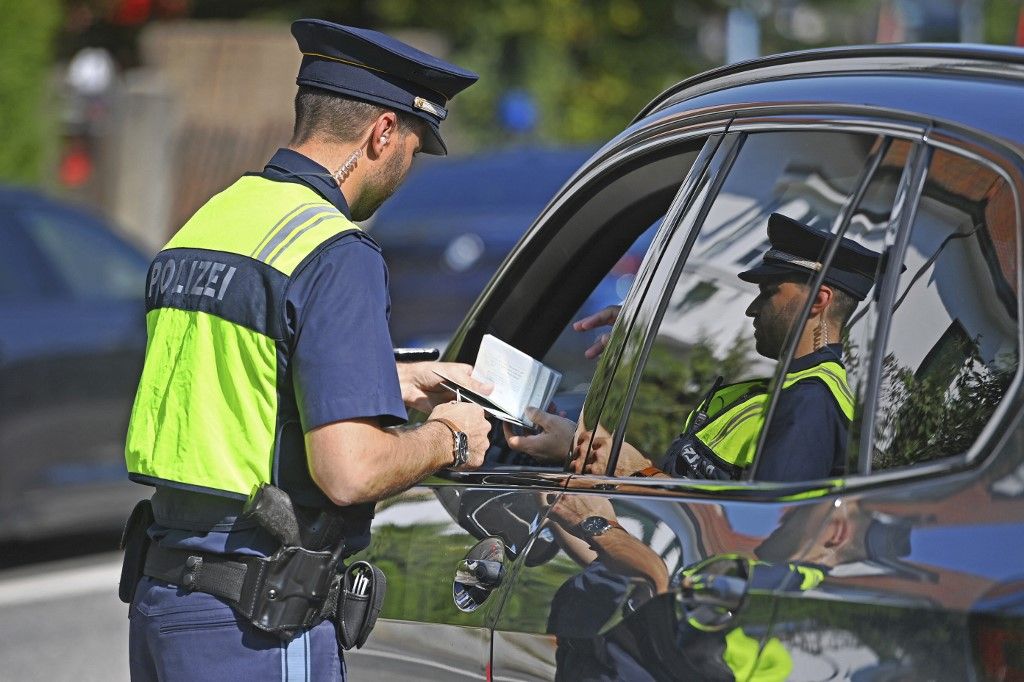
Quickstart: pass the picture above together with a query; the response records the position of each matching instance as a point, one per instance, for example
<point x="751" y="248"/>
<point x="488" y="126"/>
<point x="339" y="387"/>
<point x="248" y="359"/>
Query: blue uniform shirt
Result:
<point x="341" y="366"/>
<point x="807" y="436"/>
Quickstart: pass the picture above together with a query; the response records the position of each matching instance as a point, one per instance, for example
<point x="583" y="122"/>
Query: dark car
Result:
<point x="450" y="225"/>
<point x="910" y="565"/>
<point x="72" y="339"/>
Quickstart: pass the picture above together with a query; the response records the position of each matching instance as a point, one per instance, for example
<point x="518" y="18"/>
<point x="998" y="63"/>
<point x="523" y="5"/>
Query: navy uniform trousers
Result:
<point x="175" y="635"/>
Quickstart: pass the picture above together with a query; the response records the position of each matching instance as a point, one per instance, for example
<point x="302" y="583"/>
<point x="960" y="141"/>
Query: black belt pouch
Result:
<point x="359" y="602"/>
<point x="135" y="543"/>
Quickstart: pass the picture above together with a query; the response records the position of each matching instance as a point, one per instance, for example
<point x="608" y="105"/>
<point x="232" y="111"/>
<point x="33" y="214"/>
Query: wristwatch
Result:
<point x="460" y="442"/>
<point x="594" y="526"/>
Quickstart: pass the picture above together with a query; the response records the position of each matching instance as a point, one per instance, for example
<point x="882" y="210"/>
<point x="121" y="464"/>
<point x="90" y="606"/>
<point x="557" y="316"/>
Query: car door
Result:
<point x="691" y="592"/>
<point x="72" y="336"/>
<point x="432" y="540"/>
<point x="922" y="554"/>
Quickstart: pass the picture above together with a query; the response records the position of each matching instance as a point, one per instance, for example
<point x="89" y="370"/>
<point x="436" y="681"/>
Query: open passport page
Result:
<point x="519" y="380"/>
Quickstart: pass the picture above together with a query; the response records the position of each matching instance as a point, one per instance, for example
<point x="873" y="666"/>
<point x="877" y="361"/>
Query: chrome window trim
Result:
<point x="904" y="211"/>
<point x="607" y="369"/>
<point x="988" y="440"/>
<point x="681" y="224"/>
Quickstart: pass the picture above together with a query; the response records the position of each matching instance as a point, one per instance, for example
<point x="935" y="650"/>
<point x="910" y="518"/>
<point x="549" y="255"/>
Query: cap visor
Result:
<point x="765" y="272"/>
<point x="432" y="142"/>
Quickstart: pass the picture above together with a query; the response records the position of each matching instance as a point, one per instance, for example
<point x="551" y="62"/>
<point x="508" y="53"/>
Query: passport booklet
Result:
<point x="520" y="381"/>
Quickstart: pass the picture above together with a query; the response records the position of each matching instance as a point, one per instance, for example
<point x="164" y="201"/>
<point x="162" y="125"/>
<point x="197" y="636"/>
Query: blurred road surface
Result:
<point x="61" y="620"/>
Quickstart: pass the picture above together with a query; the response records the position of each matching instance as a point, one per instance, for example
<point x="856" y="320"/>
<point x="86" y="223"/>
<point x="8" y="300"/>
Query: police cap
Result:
<point x="376" y="68"/>
<point x="797" y="249"/>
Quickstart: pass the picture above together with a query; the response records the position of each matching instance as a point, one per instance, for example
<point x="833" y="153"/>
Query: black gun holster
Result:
<point x="284" y="594"/>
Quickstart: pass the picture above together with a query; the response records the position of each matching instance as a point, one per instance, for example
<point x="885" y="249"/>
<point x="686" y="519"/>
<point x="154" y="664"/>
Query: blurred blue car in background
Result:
<point x="72" y="337"/>
<point x="449" y="227"/>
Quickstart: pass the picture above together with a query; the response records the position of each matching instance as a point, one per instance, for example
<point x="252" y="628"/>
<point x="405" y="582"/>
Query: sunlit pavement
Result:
<point x="62" y="620"/>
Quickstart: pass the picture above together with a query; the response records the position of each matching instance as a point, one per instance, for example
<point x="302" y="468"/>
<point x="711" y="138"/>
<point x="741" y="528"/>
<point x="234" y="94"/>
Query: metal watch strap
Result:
<point x="453" y="427"/>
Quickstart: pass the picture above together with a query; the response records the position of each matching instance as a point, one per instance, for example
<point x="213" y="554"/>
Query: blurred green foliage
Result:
<point x="26" y="39"/>
<point x="589" y="66"/>
<point x="675" y="379"/>
<point x="937" y="412"/>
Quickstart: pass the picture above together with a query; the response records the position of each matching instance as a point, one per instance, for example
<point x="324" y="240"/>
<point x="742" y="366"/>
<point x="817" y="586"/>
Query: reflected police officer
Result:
<point x="269" y="361"/>
<point x="807" y="438"/>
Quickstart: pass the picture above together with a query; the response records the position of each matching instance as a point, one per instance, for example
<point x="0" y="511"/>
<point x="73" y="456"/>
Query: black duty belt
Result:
<point x="294" y="589"/>
<point x="284" y="594"/>
<point x="280" y="594"/>
<point x="202" y="572"/>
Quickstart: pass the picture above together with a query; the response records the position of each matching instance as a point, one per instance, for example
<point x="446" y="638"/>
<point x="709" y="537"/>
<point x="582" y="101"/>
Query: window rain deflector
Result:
<point x="845" y="214"/>
<point x="725" y="153"/>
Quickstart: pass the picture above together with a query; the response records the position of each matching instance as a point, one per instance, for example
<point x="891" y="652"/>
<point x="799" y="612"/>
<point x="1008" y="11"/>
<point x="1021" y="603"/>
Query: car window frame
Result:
<point x="926" y="136"/>
<point x="582" y="187"/>
<point x="756" y="122"/>
<point x="624" y="351"/>
<point x="1002" y="161"/>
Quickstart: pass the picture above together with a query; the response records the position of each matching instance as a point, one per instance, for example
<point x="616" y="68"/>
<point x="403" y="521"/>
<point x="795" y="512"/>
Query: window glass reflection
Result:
<point x="952" y="348"/>
<point x="706" y="353"/>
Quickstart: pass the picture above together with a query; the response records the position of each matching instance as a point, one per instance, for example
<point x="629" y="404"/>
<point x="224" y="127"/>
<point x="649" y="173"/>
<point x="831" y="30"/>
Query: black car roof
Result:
<point x="993" y="61"/>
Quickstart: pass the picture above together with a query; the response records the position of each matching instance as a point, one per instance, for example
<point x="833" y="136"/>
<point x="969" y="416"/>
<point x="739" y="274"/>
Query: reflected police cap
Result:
<point x="797" y="249"/>
<point x="376" y="68"/>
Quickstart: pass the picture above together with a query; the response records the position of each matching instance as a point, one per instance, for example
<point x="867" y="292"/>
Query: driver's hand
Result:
<point x="603" y="318"/>
<point x="553" y="442"/>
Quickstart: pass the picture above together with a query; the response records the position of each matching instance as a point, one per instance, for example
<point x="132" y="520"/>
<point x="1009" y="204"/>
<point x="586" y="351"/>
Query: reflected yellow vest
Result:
<point x="206" y="412"/>
<point x="736" y="412"/>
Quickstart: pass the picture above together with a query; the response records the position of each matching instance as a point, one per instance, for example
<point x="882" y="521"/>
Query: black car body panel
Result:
<point x="907" y="567"/>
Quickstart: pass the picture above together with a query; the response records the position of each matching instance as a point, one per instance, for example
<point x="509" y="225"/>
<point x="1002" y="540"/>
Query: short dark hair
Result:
<point x="843" y="305"/>
<point x="324" y="115"/>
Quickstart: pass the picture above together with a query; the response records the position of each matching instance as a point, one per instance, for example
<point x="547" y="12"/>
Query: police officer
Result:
<point x="807" y="438"/>
<point x="269" y="361"/>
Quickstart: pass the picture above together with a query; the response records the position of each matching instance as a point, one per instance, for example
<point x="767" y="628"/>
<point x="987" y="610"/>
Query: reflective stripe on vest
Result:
<point x="736" y="412"/>
<point x="206" y="411"/>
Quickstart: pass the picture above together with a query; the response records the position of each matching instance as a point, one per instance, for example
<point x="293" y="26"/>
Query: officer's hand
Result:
<point x="603" y="318"/>
<point x="421" y="385"/>
<point x="471" y="420"/>
<point x="552" y="444"/>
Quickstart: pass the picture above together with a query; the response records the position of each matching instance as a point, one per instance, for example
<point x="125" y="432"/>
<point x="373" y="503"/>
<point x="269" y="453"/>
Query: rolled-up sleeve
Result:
<point x="341" y="359"/>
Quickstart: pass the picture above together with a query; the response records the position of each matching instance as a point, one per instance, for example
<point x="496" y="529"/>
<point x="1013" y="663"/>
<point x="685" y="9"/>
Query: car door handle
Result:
<point x="720" y="591"/>
<point x="478" y="574"/>
<point x="712" y="593"/>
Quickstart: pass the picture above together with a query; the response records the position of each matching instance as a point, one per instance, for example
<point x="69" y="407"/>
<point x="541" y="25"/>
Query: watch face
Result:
<point x="593" y="526"/>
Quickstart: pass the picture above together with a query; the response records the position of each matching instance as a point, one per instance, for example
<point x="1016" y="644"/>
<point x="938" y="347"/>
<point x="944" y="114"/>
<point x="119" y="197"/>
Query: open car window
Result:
<point x="597" y="238"/>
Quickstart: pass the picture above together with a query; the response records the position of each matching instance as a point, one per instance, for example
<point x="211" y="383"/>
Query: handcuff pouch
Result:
<point x="135" y="543"/>
<point x="360" y="599"/>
